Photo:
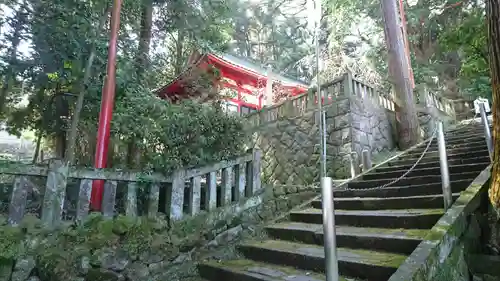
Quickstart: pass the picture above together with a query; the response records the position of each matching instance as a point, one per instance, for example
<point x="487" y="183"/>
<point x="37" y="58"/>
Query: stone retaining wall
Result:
<point x="290" y="150"/>
<point x="442" y="254"/>
<point x="137" y="249"/>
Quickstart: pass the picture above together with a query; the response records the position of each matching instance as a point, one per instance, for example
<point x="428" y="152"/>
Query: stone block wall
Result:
<point x="359" y="118"/>
<point x="139" y="248"/>
<point x="290" y="146"/>
<point x="371" y="126"/>
<point x="443" y="254"/>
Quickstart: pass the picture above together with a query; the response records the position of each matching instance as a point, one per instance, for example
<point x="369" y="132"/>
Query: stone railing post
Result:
<point x="55" y="193"/>
<point x="347" y="83"/>
<point x="82" y="208"/>
<point x="310" y="100"/>
<point x="288" y="110"/>
<point x="175" y="196"/>
<point x="18" y="200"/>
<point x="367" y="160"/>
<point x="354" y="159"/>
<point x="109" y="199"/>
<point x="253" y="173"/>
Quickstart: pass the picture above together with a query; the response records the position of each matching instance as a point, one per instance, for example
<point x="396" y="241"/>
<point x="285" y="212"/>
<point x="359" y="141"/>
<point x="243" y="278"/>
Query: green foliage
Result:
<point x="447" y="41"/>
<point x="469" y="39"/>
<point x="178" y="135"/>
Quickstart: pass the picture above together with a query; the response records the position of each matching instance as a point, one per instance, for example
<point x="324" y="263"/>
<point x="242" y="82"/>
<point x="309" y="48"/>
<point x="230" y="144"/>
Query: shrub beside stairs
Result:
<point x="377" y="228"/>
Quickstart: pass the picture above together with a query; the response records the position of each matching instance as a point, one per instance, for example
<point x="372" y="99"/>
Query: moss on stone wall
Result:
<point x="137" y="249"/>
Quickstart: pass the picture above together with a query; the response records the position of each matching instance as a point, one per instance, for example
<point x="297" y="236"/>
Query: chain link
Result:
<point x="404" y="175"/>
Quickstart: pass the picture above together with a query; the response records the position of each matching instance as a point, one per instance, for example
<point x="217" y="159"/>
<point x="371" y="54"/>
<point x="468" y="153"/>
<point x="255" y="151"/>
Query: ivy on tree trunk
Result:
<point x="493" y="17"/>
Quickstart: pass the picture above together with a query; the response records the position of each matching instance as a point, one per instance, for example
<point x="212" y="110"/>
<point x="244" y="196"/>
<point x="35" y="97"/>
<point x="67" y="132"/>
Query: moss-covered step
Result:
<point x="369" y="265"/>
<point x="434" y="146"/>
<point x="478" y="128"/>
<point x="451" y="162"/>
<point x="406" y="160"/>
<point x="397" y="190"/>
<point x="433" y="201"/>
<point x="434" y="171"/>
<point x="449" y="150"/>
<point x="409" y="218"/>
<point x="402" y="241"/>
<point x="248" y="270"/>
<point x="465" y="136"/>
<point x="412" y="180"/>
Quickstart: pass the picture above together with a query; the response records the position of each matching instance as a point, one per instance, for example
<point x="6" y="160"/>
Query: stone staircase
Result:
<point x="377" y="228"/>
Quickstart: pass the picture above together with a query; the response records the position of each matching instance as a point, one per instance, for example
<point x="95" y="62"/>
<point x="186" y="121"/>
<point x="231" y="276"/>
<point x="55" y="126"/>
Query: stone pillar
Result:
<point x="55" y="192"/>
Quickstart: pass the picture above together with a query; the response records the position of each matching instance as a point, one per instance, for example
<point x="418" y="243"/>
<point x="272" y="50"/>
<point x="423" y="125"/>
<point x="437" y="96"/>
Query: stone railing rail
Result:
<point x="239" y="179"/>
<point x="297" y="105"/>
<point x="363" y="90"/>
<point x="430" y="99"/>
<point x="342" y="86"/>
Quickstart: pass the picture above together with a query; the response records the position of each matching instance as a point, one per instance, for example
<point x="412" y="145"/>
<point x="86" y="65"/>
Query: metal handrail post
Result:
<point x="487" y="132"/>
<point x="329" y="235"/>
<point x="367" y="160"/>
<point x="445" y="173"/>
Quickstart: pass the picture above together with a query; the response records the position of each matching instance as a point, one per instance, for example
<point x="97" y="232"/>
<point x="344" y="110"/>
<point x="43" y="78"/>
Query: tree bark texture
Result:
<point x="406" y="116"/>
<point x="493" y="18"/>
<point x="142" y="64"/>
<point x="9" y="79"/>
<point x="82" y="89"/>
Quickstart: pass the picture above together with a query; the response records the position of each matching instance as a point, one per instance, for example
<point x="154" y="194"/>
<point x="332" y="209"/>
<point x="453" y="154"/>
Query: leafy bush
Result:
<point x="178" y="135"/>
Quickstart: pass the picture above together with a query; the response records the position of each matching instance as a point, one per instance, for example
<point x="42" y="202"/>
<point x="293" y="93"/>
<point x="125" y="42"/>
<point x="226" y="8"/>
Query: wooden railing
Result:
<point x="187" y="191"/>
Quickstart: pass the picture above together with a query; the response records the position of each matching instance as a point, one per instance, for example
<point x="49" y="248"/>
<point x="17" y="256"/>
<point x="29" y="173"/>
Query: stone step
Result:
<point x="436" y="170"/>
<point x="461" y="138"/>
<point x="451" y="162"/>
<point x="426" y="159"/>
<point x="376" y="203"/>
<point x="369" y="265"/>
<point x="449" y="151"/>
<point x="400" y="191"/>
<point x="401" y="241"/>
<point x="410" y="180"/>
<point x="249" y="270"/>
<point x="434" y="146"/>
<point x="469" y="130"/>
<point x="409" y="218"/>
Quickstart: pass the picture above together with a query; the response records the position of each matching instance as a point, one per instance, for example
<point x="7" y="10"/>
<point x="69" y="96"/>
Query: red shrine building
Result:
<point x="242" y="84"/>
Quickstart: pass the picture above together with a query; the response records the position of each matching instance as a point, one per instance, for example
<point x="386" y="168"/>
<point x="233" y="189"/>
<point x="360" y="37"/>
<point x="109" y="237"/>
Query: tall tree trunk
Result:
<point x="9" y="78"/>
<point x="62" y="112"/>
<point x="406" y="117"/>
<point x="82" y="89"/>
<point x="142" y="64"/>
<point x="179" y="49"/>
<point x="493" y="18"/>
<point x="37" y="147"/>
<point x="145" y="38"/>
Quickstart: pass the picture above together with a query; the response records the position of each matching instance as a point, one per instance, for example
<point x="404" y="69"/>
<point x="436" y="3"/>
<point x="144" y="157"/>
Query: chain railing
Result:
<point x="402" y="176"/>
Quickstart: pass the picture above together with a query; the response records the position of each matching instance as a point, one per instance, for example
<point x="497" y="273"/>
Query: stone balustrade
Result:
<point x="184" y="192"/>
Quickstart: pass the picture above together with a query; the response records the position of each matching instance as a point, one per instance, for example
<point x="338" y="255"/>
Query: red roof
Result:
<point x="227" y="68"/>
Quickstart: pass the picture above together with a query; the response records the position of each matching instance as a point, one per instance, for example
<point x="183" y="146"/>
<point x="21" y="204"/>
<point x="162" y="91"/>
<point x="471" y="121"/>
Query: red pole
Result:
<point x="107" y="103"/>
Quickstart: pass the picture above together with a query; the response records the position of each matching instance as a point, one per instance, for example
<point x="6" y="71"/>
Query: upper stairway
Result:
<point x="377" y="227"/>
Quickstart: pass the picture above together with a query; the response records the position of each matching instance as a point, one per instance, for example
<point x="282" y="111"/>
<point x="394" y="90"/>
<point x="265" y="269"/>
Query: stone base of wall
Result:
<point x="442" y="256"/>
<point x="138" y="249"/>
<point x="290" y="146"/>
